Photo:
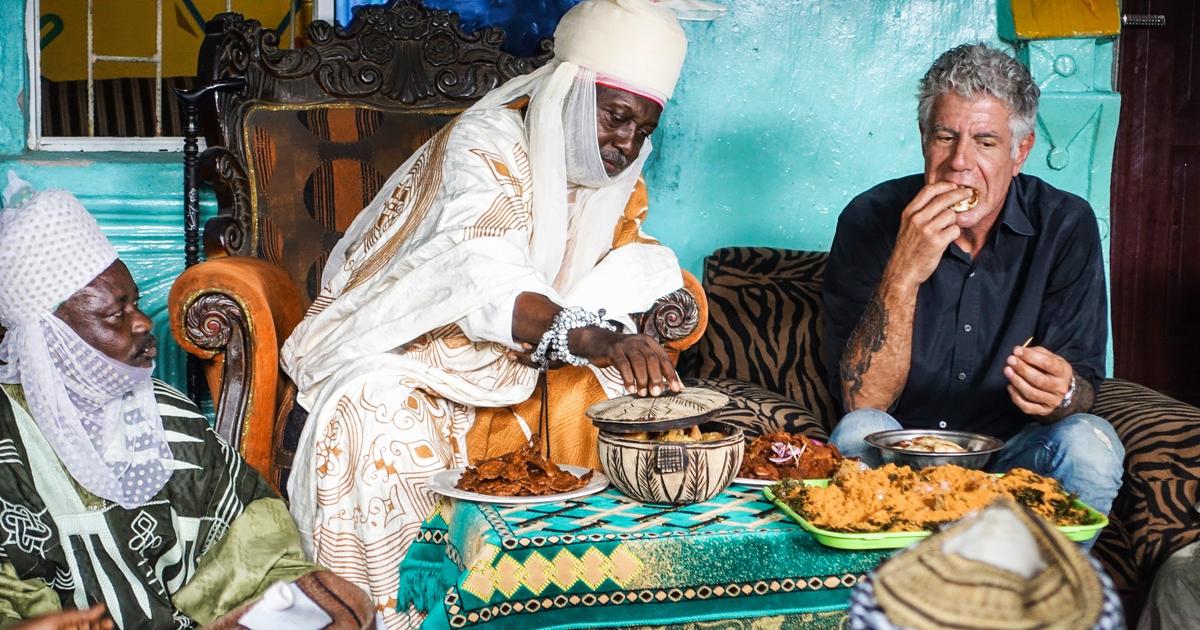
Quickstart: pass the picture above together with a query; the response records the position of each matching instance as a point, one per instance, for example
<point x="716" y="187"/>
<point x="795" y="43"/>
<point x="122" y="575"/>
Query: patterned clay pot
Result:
<point x="671" y="472"/>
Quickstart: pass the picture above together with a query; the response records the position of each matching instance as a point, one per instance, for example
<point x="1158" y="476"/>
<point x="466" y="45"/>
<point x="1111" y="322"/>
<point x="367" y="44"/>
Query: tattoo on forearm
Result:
<point x="867" y="339"/>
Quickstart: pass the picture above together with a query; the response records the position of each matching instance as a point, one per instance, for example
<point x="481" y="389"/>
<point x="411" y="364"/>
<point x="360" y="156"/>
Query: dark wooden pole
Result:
<point x="190" y="101"/>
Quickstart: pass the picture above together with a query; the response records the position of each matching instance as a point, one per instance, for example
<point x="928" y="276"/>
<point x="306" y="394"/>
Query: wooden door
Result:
<point x="1155" y="262"/>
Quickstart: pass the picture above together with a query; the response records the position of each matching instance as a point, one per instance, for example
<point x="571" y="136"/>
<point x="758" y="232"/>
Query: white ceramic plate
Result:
<point x="444" y="483"/>
<point x="750" y="481"/>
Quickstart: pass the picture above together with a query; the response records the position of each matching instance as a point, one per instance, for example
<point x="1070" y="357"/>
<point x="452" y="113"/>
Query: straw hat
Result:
<point x="1002" y="568"/>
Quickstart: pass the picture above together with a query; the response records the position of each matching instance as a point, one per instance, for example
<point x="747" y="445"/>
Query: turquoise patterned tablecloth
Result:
<point x="607" y="560"/>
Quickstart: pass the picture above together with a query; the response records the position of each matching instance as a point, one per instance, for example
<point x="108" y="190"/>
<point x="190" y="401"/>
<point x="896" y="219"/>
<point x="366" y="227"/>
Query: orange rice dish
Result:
<point x="898" y="499"/>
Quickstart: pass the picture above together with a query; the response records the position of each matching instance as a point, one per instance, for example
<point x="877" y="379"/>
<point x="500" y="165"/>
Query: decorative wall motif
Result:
<point x="1077" y="121"/>
<point x="1077" y="118"/>
<point x="1070" y="65"/>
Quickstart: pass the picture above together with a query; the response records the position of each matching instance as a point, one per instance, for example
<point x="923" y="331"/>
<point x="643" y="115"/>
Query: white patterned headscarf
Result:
<point x="97" y="413"/>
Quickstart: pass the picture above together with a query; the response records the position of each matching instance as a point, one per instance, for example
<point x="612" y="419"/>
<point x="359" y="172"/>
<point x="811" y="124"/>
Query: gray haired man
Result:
<point x="972" y="297"/>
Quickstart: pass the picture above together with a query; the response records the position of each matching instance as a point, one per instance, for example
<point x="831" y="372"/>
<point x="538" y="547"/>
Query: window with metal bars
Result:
<point x="105" y="70"/>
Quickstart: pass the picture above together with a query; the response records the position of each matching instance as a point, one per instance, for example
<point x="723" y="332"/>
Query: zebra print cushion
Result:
<point x="1155" y="513"/>
<point x="764" y="325"/>
<point x="757" y="411"/>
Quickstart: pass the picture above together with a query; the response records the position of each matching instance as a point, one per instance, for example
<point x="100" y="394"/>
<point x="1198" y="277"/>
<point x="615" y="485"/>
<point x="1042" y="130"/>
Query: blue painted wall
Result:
<point x="524" y="22"/>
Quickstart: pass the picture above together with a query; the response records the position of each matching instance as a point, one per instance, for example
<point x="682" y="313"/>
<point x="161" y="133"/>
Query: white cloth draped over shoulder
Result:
<point x="434" y="247"/>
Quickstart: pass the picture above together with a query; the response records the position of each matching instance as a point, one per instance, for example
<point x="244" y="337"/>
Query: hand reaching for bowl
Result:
<point x="645" y="367"/>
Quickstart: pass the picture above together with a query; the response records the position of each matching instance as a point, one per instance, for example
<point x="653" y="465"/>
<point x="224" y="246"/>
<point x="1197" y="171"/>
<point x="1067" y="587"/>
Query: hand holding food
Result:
<point x="1038" y="380"/>
<point x="927" y="227"/>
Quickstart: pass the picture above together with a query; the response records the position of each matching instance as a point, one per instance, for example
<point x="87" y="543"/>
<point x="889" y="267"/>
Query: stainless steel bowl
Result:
<point x="979" y="448"/>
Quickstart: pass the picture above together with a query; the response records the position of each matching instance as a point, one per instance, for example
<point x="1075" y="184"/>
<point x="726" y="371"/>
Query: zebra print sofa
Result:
<point x="762" y="347"/>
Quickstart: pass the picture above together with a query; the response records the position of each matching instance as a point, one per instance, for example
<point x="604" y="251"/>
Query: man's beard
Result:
<point x="614" y="157"/>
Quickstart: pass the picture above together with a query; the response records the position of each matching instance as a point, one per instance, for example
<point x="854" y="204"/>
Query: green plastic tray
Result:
<point x="897" y="540"/>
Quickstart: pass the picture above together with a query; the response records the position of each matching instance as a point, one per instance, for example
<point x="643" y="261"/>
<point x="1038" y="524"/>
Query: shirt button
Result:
<point x="942" y="424"/>
<point x="962" y="376"/>
<point x="967" y="327"/>
<point x="971" y="275"/>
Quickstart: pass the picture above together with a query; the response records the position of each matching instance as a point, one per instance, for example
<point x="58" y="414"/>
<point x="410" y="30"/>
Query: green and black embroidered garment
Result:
<point x="213" y="538"/>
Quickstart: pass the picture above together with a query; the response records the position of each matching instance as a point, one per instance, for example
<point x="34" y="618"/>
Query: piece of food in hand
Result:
<point x="899" y="499"/>
<point x="968" y="203"/>
<point x="522" y="473"/>
<point x="929" y="444"/>
<point x="781" y="455"/>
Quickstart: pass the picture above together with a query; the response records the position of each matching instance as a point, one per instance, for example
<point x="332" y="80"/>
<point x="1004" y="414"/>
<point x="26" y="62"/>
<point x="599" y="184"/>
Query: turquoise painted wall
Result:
<point x="787" y="109"/>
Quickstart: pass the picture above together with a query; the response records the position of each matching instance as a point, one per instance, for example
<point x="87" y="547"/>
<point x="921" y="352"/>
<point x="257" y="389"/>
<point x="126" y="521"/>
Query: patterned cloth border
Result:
<point x="607" y="559"/>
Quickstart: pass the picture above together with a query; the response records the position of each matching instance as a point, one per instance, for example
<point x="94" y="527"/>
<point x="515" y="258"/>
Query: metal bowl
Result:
<point x="979" y="448"/>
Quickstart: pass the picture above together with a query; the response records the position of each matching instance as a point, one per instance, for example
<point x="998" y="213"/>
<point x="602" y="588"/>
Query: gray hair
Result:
<point x="972" y="70"/>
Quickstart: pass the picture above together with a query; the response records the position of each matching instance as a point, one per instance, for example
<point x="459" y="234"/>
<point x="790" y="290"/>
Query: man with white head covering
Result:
<point x="115" y="496"/>
<point x="514" y="231"/>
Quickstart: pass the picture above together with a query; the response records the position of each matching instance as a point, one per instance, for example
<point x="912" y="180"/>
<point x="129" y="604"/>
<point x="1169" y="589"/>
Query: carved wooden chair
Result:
<point x="299" y="141"/>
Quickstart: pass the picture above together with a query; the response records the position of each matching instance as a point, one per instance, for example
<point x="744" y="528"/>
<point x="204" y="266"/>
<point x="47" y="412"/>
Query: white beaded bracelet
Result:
<point x="554" y="344"/>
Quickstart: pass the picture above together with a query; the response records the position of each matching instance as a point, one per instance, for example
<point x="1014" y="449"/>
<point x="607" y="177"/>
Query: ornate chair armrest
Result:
<point x="234" y="314"/>
<point x="678" y="319"/>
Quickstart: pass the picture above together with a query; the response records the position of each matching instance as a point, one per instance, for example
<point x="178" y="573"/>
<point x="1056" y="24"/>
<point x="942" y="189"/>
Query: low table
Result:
<point x="607" y="560"/>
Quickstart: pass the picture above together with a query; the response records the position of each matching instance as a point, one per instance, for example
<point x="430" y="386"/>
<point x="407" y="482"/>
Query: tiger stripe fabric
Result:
<point x="764" y="324"/>
<point x="764" y="340"/>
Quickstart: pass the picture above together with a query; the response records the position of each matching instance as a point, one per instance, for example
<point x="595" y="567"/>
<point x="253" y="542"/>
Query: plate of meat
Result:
<point x="781" y="455"/>
<point x="522" y="477"/>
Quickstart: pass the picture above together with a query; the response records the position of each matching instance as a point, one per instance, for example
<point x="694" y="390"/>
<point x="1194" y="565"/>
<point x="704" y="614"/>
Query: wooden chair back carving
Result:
<point x="315" y="131"/>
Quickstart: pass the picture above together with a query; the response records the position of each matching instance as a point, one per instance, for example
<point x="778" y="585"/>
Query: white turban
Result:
<point x="50" y="247"/>
<point x="637" y="42"/>
<point x="98" y="414"/>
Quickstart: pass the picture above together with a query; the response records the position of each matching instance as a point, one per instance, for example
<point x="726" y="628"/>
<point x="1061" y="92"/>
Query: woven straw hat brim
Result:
<point x="924" y="588"/>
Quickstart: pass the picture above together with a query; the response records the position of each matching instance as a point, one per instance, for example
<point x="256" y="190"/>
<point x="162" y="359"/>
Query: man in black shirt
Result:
<point x="929" y="300"/>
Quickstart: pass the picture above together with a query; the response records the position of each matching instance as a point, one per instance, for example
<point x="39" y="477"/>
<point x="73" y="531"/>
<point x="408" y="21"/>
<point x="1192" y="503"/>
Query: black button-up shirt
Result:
<point x="1040" y="274"/>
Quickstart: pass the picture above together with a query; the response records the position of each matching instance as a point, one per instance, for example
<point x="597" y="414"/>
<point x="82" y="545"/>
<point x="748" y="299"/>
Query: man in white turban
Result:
<point x="513" y="233"/>
<point x="116" y="499"/>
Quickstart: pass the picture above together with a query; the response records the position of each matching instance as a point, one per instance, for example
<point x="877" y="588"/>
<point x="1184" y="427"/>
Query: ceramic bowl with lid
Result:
<point x="644" y="452"/>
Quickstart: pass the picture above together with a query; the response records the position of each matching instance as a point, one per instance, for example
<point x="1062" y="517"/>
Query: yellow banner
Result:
<point x="127" y="28"/>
